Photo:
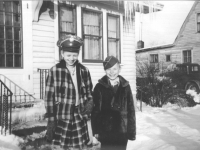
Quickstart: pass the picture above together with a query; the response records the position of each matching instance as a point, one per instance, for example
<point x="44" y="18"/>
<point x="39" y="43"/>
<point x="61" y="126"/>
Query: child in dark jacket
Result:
<point x="113" y="116"/>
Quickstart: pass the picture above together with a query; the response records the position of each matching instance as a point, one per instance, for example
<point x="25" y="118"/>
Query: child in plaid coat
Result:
<point x="68" y="98"/>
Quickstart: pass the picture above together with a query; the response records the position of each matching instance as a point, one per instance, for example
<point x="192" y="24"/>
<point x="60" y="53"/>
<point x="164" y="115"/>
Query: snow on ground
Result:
<point x="167" y="128"/>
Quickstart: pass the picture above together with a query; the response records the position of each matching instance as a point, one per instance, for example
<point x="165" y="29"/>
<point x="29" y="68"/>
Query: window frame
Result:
<point x="13" y="38"/>
<point x="102" y="37"/>
<point x="187" y="57"/>
<point x="74" y="7"/>
<point x="168" y="59"/>
<point x="119" y="33"/>
<point x="59" y="20"/>
<point x="197" y="22"/>
<point x="153" y="62"/>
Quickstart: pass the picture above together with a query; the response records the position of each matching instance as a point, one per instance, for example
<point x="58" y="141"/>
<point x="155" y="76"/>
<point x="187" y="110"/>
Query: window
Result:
<point x="92" y="35"/>
<point x="67" y="19"/>
<point x="10" y="34"/>
<point x="113" y="36"/>
<point x="195" y="68"/>
<point x="153" y="58"/>
<point x="168" y="58"/>
<point x="198" y="22"/>
<point x="187" y="56"/>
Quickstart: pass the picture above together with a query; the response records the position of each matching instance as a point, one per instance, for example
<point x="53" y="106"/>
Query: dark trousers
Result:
<point x="113" y="146"/>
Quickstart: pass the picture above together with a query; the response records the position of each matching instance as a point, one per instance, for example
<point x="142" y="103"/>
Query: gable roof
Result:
<point x="186" y="20"/>
<point x="177" y="37"/>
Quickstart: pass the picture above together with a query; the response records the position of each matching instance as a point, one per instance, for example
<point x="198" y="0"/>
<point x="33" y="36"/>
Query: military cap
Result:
<point x="109" y="62"/>
<point x="70" y="43"/>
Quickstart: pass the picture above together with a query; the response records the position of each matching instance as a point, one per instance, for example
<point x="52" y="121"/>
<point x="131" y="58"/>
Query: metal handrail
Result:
<point x="5" y="120"/>
<point x="15" y="87"/>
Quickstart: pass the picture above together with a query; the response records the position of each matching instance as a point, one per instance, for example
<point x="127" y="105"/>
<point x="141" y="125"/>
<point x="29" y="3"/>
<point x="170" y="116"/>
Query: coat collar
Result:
<point x="62" y="63"/>
<point x="105" y="81"/>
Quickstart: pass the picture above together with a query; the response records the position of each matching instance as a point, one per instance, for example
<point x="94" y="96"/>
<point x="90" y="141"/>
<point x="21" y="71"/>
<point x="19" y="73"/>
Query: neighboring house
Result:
<point x="186" y="47"/>
<point x="29" y="31"/>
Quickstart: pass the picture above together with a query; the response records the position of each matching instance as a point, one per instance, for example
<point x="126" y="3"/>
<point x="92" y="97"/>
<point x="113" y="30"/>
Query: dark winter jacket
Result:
<point x="113" y="116"/>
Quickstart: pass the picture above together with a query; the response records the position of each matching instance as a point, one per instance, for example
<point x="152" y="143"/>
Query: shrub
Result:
<point x="156" y="88"/>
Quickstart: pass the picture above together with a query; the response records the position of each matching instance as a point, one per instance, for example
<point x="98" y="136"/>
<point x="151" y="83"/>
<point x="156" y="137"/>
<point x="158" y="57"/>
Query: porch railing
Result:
<point x="43" y="76"/>
<point x="19" y="94"/>
<point x="5" y="108"/>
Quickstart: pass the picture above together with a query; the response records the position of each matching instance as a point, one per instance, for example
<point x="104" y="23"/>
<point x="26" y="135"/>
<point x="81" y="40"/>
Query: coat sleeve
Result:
<point x="97" y="97"/>
<point x="131" y="124"/>
<point x="88" y="84"/>
<point x="49" y="96"/>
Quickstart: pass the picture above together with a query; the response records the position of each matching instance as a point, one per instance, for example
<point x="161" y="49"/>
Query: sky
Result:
<point x="162" y="27"/>
<point x="167" y="128"/>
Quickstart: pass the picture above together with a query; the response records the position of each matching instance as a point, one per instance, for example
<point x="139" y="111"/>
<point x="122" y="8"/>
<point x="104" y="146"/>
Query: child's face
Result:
<point x="70" y="57"/>
<point x="113" y="72"/>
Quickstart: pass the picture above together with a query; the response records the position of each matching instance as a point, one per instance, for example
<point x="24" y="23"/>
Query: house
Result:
<point x="184" y="49"/>
<point x="31" y="29"/>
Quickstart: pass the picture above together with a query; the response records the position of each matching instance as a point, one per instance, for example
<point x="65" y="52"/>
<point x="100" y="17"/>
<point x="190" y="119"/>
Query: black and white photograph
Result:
<point x="99" y="75"/>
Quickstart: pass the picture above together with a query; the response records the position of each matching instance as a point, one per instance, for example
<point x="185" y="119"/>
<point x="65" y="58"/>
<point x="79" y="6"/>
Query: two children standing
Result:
<point x="70" y="104"/>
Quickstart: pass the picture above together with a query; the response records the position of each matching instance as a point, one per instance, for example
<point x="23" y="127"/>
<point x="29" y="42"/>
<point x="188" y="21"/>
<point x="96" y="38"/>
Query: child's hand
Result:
<point x="95" y="140"/>
<point x="90" y="132"/>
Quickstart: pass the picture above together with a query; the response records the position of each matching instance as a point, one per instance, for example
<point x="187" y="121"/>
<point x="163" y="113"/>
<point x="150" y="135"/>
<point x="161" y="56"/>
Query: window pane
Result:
<point x="198" y="27"/>
<point x="112" y="27"/>
<point x="2" y="60"/>
<point x="66" y="19"/>
<point x="1" y="6"/>
<point x="8" y="32"/>
<point x="8" y="19"/>
<point x="17" y="34"/>
<point x="9" y="60"/>
<point x="2" y="32"/>
<point x="16" y="19"/>
<point x="18" y="61"/>
<point x="17" y="47"/>
<point x="9" y="47"/>
<point x="16" y="7"/>
<point x="198" y="17"/>
<point x="1" y="18"/>
<point x="92" y="48"/>
<point x="1" y="46"/>
<point x="91" y="23"/>
<point x="156" y="58"/>
<point x="113" y="48"/>
<point x="8" y="6"/>
<point x="168" y="58"/>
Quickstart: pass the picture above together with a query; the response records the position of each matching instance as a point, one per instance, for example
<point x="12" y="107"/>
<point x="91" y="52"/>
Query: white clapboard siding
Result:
<point x="43" y="47"/>
<point x="43" y="44"/>
<point x="39" y="34"/>
<point x="129" y="66"/>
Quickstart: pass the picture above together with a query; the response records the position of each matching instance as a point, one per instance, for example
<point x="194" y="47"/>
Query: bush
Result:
<point x="156" y="88"/>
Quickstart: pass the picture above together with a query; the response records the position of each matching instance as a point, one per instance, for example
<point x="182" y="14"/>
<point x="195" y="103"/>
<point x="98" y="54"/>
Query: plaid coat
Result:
<point x="60" y="94"/>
